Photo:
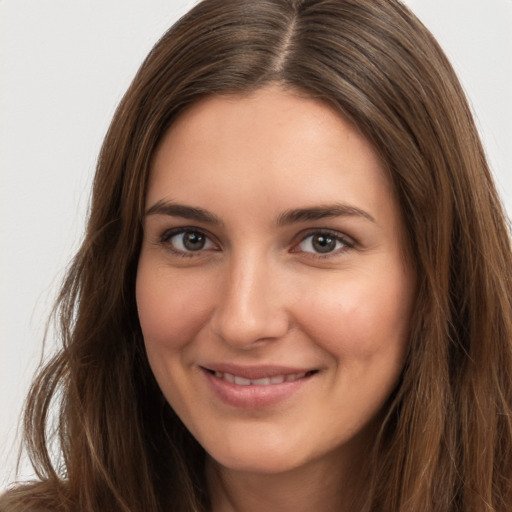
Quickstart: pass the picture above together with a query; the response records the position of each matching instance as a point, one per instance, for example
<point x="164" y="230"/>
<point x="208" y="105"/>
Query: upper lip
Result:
<point x="255" y="372"/>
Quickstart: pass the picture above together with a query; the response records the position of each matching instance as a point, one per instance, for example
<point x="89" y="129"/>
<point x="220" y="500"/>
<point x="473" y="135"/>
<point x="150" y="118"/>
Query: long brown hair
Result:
<point x="446" y="442"/>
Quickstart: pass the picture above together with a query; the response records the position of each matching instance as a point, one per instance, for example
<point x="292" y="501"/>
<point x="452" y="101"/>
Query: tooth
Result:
<point x="261" y="382"/>
<point x="229" y="378"/>
<point x="264" y="381"/>
<point x="240" y="381"/>
<point x="291" y="378"/>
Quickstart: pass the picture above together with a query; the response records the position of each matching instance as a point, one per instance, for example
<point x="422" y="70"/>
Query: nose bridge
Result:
<point x="251" y="306"/>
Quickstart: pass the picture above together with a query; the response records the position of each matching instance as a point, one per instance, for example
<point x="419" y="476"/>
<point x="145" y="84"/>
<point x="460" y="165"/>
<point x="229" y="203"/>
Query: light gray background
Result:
<point x="64" y="66"/>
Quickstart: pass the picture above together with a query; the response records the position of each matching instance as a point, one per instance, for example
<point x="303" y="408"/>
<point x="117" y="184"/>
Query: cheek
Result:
<point x="171" y="308"/>
<point x="360" y="318"/>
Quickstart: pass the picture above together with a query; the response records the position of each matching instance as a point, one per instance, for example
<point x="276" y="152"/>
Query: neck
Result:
<point x="318" y="486"/>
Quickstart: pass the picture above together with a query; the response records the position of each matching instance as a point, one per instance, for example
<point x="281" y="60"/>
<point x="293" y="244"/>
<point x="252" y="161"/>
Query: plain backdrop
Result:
<point x="64" y="66"/>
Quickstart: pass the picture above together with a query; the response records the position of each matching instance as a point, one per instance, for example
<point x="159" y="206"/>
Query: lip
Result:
<point x="255" y="396"/>
<point x="255" y="372"/>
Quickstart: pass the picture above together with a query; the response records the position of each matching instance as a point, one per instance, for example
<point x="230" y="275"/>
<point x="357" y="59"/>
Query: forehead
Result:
<point x="286" y="124"/>
<point x="263" y="139"/>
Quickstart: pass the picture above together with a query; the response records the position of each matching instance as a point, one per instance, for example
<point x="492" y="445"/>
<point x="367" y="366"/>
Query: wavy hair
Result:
<point x="446" y="442"/>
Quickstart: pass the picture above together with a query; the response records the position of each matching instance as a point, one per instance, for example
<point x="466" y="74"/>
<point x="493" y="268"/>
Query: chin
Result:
<point x="257" y="462"/>
<point x="250" y="456"/>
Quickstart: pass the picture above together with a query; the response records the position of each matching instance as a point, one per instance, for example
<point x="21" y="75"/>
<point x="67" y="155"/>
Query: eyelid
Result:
<point x="347" y="242"/>
<point x="168" y="234"/>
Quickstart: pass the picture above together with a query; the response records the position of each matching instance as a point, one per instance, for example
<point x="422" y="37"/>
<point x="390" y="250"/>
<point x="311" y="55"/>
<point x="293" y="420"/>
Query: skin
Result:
<point x="258" y="292"/>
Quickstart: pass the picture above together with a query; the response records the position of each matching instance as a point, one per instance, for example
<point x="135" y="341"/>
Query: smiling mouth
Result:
<point x="256" y="387"/>
<point x="264" y="381"/>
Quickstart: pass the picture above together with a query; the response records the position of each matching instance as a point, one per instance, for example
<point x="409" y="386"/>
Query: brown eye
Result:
<point x="323" y="243"/>
<point x="193" y="241"/>
<point x="186" y="241"/>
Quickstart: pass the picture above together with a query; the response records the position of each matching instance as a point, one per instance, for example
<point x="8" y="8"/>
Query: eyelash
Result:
<point x="165" y="240"/>
<point x="347" y="243"/>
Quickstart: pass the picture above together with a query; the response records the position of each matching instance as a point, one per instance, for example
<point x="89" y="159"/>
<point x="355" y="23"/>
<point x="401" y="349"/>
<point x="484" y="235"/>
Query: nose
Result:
<point x="252" y="307"/>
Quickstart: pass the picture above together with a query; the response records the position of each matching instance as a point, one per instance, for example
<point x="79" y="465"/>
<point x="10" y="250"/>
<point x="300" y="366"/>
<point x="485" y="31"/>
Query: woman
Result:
<point x="295" y="289"/>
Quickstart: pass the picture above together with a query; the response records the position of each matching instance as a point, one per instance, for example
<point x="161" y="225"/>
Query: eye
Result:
<point x="186" y="241"/>
<point x="323" y="242"/>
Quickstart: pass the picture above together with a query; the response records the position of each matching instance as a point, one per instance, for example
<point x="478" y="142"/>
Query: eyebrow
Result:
<point x="321" y="212"/>
<point x="288" y="217"/>
<point x="186" y="212"/>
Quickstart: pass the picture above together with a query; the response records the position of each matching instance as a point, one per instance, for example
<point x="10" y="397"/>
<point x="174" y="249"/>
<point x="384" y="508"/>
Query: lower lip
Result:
<point x="252" y="396"/>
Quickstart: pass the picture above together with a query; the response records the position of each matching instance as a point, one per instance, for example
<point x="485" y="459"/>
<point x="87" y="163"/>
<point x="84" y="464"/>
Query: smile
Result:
<point x="256" y="387"/>
<point x="264" y="381"/>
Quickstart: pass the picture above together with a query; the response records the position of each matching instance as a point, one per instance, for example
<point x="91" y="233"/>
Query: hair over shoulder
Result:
<point x="446" y="442"/>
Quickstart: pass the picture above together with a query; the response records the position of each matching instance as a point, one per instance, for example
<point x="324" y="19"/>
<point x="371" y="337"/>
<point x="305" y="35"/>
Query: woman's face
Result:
<point x="273" y="290"/>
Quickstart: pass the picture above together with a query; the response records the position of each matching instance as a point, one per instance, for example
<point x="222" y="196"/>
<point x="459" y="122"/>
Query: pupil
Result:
<point x="193" y="241"/>
<point x="324" y="243"/>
